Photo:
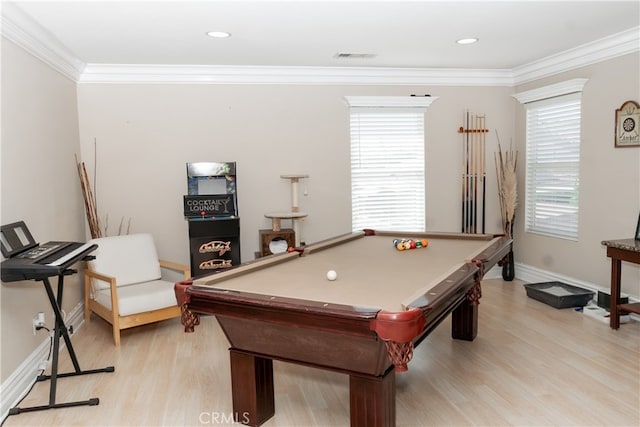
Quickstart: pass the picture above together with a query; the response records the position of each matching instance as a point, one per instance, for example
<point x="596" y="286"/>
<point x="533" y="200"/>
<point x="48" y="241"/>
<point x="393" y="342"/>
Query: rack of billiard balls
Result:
<point x="406" y="244"/>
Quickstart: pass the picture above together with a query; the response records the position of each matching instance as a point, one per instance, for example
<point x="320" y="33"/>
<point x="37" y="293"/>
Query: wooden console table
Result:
<point x="621" y="250"/>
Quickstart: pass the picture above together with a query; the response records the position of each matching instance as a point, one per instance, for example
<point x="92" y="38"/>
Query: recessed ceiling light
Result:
<point x="219" y="34"/>
<point x="469" y="40"/>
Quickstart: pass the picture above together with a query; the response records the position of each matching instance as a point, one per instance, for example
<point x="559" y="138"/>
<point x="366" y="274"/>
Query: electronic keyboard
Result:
<point x="27" y="260"/>
<point x="49" y="259"/>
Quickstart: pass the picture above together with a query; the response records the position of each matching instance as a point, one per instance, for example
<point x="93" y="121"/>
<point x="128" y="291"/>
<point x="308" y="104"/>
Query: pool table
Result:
<point x="366" y="323"/>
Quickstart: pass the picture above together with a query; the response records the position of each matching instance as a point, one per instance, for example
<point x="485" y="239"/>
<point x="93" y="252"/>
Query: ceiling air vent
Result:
<point x="347" y="55"/>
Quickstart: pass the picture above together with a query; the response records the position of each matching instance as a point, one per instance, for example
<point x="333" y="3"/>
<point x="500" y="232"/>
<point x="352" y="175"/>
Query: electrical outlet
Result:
<point x="38" y="322"/>
<point x="43" y="365"/>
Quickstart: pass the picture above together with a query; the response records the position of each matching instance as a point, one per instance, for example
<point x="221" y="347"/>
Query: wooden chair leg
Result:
<point x="87" y="310"/>
<point x="116" y="336"/>
<point x="115" y="324"/>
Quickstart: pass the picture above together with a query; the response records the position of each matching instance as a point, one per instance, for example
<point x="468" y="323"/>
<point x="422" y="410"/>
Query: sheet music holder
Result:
<point x="27" y="260"/>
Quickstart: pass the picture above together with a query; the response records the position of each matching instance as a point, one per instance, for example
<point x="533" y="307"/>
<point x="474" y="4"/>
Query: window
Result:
<point x="387" y="162"/>
<point x="553" y="162"/>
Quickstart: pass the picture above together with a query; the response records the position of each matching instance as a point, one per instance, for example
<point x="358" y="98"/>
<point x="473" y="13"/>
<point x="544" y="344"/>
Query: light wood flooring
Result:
<point x="531" y="365"/>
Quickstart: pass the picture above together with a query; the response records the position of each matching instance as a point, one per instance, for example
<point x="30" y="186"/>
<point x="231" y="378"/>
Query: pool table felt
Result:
<point x="371" y="272"/>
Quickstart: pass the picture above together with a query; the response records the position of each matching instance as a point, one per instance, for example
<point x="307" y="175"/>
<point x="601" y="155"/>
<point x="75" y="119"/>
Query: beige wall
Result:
<point x="609" y="180"/>
<point x="39" y="186"/>
<point x="146" y="133"/>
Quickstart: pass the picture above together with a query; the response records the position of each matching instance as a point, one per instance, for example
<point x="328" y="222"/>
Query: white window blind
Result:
<point x="553" y="166"/>
<point x="387" y="169"/>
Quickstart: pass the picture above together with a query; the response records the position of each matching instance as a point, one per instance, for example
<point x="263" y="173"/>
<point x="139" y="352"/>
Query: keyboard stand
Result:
<point x="60" y="331"/>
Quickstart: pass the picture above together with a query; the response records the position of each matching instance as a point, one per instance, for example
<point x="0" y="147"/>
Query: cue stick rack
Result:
<point x="276" y="234"/>
<point x="474" y="176"/>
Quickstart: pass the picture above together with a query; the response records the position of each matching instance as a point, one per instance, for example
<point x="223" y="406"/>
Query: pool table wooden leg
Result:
<point x="251" y="388"/>
<point x="464" y="321"/>
<point x="373" y="400"/>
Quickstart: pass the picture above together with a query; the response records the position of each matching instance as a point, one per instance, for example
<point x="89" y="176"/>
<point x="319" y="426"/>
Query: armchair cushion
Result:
<point x="140" y="298"/>
<point x="130" y="259"/>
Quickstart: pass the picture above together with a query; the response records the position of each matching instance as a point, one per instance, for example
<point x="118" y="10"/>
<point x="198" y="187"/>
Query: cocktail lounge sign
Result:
<point x="212" y="205"/>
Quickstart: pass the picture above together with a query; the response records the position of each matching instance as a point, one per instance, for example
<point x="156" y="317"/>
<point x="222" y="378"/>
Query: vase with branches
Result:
<point x="506" y="163"/>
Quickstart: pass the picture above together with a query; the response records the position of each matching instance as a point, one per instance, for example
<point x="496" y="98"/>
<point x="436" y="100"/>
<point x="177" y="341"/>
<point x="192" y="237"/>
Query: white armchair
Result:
<point x="124" y="284"/>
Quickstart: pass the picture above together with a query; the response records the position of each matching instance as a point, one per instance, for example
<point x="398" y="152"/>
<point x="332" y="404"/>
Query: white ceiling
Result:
<point x="402" y="34"/>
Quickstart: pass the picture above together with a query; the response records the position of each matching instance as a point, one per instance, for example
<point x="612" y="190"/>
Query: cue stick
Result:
<point x="469" y="168"/>
<point x="465" y="199"/>
<point x="479" y="175"/>
<point x="470" y="198"/>
<point x="463" y="177"/>
<point x="466" y="172"/>
<point x="484" y="174"/>
<point x="475" y="177"/>
<point x="471" y="171"/>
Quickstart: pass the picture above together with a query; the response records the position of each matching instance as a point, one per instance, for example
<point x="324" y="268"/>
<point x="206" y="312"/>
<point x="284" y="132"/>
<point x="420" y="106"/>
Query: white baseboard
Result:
<point x="529" y="274"/>
<point x="14" y="388"/>
<point x="493" y="273"/>
<point x="592" y="310"/>
<point x="20" y="381"/>
<point x="75" y="318"/>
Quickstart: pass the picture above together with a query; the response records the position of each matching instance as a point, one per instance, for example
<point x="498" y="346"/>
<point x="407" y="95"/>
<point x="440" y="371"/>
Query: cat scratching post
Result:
<point x="294" y="215"/>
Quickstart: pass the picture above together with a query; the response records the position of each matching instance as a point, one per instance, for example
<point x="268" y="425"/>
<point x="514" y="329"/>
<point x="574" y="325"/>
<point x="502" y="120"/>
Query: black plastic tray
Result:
<point x="558" y="294"/>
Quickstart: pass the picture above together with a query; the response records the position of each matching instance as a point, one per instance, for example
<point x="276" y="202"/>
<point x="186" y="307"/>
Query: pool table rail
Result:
<point x="274" y="309"/>
<point x="366" y="326"/>
<point x="434" y="304"/>
<point x="496" y="253"/>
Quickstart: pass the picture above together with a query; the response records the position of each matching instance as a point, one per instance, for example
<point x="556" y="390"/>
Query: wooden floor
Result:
<point x="531" y="365"/>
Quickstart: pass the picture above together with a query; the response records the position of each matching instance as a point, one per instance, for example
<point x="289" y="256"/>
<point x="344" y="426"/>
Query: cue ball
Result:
<point x="332" y="275"/>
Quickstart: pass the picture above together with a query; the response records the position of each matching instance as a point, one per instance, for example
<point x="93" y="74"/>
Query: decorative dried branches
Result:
<point x="91" y="208"/>
<point x="507" y="186"/>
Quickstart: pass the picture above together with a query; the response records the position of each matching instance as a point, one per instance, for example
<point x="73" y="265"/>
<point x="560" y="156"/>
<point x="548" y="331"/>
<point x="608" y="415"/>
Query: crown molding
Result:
<point x="415" y="102"/>
<point x="600" y="50"/>
<point x="221" y="74"/>
<point x="21" y="29"/>
<point x="550" y="91"/>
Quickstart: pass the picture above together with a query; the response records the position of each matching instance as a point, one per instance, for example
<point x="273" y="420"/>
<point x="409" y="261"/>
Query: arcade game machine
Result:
<point x="212" y="212"/>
